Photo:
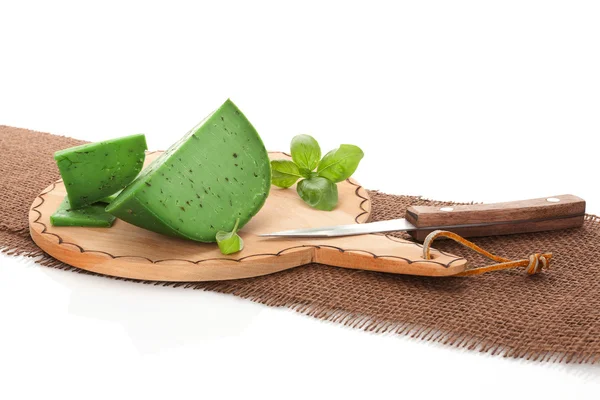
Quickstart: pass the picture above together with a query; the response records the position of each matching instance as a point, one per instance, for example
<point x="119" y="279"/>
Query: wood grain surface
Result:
<point x="127" y="251"/>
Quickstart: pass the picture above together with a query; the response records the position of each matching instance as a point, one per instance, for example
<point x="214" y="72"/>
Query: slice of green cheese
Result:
<point x="218" y="172"/>
<point x="94" y="171"/>
<point x="93" y="215"/>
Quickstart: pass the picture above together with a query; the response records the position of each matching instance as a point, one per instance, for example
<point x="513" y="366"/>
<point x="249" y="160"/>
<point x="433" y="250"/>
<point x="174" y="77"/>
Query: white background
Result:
<point x="461" y="100"/>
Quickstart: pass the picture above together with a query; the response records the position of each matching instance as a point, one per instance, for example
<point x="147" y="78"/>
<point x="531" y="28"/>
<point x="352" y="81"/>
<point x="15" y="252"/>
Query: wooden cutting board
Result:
<point x="127" y="251"/>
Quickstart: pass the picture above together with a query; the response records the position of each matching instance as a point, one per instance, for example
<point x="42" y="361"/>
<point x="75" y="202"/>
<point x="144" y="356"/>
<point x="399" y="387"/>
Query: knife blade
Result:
<point x="548" y="213"/>
<point x="348" y="230"/>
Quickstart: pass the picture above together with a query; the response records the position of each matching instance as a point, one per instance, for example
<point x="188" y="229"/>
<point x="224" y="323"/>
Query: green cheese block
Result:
<point x="94" y="171"/>
<point x="218" y="172"/>
<point x="93" y="215"/>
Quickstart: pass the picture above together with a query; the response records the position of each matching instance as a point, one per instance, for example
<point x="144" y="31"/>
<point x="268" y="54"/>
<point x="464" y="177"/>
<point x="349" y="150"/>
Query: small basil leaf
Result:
<point x="318" y="192"/>
<point x="231" y="245"/>
<point x="306" y="152"/>
<point x="340" y="164"/>
<point x="230" y="242"/>
<point x="284" y="173"/>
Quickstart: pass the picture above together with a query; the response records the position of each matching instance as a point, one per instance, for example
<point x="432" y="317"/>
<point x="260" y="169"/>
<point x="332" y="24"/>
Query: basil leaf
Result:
<point x="318" y="192"/>
<point x="284" y="173"/>
<point x="306" y="152"/>
<point x="340" y="164"/>
<point x="230" y="242"/>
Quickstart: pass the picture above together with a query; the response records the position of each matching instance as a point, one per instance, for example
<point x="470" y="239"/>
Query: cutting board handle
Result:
<point x="547" y="213"/>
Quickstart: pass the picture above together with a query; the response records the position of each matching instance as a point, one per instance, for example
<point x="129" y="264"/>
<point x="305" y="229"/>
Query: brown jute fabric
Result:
<point x="553" y="316"/>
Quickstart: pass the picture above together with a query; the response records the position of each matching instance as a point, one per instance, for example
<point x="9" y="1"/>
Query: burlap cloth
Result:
<point x="552" y="316"/>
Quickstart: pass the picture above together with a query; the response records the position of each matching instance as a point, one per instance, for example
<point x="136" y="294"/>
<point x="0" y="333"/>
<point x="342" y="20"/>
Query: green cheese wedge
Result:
<point x="93" y="215"/>
<point x="94" y="171"/>
<point x="218" y="172"/>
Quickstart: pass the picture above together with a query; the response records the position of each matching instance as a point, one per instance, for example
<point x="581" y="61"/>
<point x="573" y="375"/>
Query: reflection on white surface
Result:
<point x="155" y="317"/>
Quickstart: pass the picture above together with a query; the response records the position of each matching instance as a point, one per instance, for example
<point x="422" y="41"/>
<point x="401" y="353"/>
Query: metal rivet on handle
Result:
<point x="447" y="209"/>
<point x="553" y="200"/>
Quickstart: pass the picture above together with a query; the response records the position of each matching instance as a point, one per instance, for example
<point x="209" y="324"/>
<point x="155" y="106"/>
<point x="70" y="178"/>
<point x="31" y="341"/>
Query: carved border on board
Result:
<point x="365" y="200"/>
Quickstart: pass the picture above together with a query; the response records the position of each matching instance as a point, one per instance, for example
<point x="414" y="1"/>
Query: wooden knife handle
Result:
<point x="548" y="213"/>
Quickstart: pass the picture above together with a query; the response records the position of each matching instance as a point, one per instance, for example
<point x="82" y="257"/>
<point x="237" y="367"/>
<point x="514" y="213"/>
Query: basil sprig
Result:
<point x="230" y="242"/>
<point x="317" y="188"/>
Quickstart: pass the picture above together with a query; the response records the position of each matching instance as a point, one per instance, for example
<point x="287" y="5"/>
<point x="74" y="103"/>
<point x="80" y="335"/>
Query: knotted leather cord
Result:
<point x="533" y="264"/>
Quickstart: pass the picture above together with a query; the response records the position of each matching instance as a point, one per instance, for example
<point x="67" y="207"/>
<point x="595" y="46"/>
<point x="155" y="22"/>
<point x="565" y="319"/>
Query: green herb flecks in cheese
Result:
<point x="218" y="172"/>
<point x="94" y="171"/>
<point x="93" y="215"/>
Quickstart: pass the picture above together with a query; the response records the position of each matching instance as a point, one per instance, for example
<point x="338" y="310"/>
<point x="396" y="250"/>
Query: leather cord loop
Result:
<point x="533" y="264"/>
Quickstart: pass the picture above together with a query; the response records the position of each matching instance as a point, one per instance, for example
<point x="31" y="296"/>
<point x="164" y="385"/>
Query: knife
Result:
<point x="535" y="215"/>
